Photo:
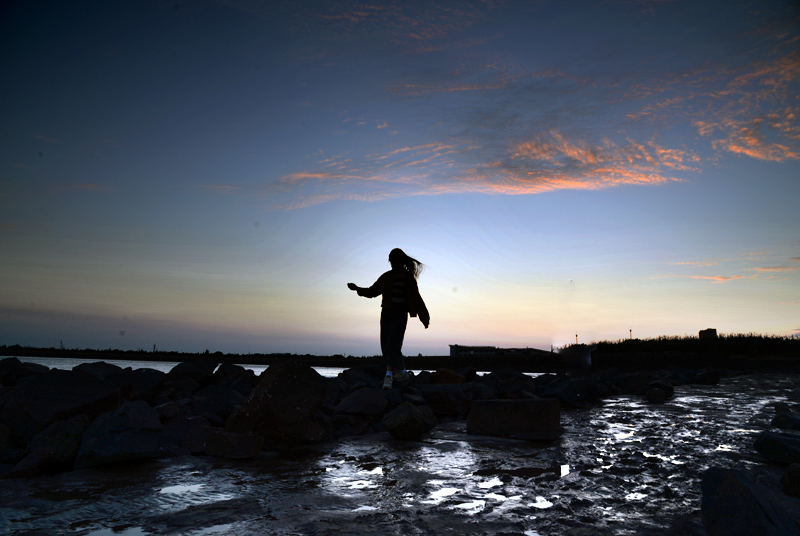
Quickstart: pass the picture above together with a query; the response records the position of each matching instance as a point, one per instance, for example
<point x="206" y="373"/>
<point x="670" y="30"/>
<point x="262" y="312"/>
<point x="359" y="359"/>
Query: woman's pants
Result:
<point x="394" y="319"/>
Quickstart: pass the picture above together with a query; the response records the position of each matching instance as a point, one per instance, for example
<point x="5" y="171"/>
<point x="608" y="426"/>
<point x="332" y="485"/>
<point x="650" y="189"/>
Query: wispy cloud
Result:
<point x="712" y="278"/>
<point x="777" y="268"/>
<point x="748" y="110"/>
<point x="696" y="264"/>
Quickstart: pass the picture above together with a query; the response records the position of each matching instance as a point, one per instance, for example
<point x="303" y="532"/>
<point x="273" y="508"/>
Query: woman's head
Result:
<point x="400" y="261"/>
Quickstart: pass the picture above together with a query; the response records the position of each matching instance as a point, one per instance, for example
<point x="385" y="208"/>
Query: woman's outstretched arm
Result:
<point x="371" y="292"/>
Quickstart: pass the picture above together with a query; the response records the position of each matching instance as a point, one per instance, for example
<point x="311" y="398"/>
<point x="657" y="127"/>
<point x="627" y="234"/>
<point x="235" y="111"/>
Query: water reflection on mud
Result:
<point x="625" y="467"/>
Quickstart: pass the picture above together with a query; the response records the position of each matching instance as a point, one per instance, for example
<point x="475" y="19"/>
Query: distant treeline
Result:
<point x="737" y="351"/>
<point x="739" y="344"/>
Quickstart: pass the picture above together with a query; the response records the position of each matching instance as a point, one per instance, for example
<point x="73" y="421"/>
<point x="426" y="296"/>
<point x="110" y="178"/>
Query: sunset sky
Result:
<point x="211" y="174"/>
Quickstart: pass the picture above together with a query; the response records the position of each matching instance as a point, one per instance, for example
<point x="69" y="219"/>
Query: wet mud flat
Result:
<point x="622" y="467"/>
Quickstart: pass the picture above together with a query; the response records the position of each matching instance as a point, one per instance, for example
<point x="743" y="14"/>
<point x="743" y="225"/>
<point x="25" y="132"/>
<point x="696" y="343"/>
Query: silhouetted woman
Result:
<point x="401" y="297"/>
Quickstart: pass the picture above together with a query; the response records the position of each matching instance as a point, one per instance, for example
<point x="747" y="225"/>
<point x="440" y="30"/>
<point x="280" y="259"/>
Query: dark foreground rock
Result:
<point x="282" y="407"/>
<point x="779" y="447"/>
<point x="130" y="433"/>
<point x="39" y="400"/>
<point x="406" y="421"/>
<point x="735" y="504"/>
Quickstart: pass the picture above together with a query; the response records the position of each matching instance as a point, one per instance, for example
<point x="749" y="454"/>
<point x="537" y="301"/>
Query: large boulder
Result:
<point x="6" y="446"/>
<point x="779" y="447"/>
<point x="200" y="371"/>
<point x="509" y="383"/>
<point x="358" y="377"/>
<point x="532" y="418"/>
<point x="448" y="400"/>
<point x="101" y="369"/>
<point x="131" y="433"/>
<point x="282" y="406"/>
<point x="53" y="449"/>
<point x="217" y="400"/>
<point x="365" y="401"/>
<point x="12" y="370"/>
<point x="188" y="433"/>
<point x="137" y="384"/>
<point x="405" y="421"/>
<point x="658" y="391"/>
<point x="791" y="480"/>
<point x="235" y="377"/>
<point x="787" y="420"/>
<point x="734" y="504"/>
<point x="38" y="401"/>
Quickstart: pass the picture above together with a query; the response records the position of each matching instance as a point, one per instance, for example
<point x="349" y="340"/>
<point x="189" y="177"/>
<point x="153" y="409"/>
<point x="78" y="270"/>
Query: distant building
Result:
<point x="457" y="350"/>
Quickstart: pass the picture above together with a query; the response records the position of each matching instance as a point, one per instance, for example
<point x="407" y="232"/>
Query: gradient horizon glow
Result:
<point x="211" y="174"/>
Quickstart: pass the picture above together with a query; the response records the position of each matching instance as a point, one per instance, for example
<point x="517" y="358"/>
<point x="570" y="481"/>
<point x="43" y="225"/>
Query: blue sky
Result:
<point x="211" y="174"/>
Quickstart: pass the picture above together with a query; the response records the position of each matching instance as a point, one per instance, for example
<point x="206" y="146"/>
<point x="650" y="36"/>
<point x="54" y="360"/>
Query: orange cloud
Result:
<point x="712" y="278"/>
<point x="777" y="269"/>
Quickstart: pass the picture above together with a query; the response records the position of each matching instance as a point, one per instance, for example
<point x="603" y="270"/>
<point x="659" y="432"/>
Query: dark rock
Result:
<point x="707" y="377"/>
<point x="189" y="433"/>
<point x="358" y="377"/>
<point x="282" y="406"/>
<point x="38" y="401"/>
<point x="137" y="384"/>
<point x="349" y="425"/>
<point x="634" y="382"/>
<point x="53" y="449"/>
<point x="200" y="371"/>
<point x="787" y="421"/>
<point x="778" y="447"/>
<point x="101" y="369"/>
<point x="571" y="393"/>
<point x="405" y="422"/>
<point x="533" y="419"/>
<point x="178" y="389"/>
<point x="656" y="395"/>
<point x="216" y="399"/>
<point x="791" y="480"/>
<point x="233" y="445"/>
<point x="666" y="387"/>
<point x="235" y="377"/>
<point x="448" y="400"/>
<point x="735" y="504"/>
<point x="365" y="401"/>
<point x="128" y="434"/>
<point x="508" y="383"/>
<point x="446" y="376"/>
<point x="7" y="368"/>
<point x="6" y="447"/>
<point x="168" y="410"/>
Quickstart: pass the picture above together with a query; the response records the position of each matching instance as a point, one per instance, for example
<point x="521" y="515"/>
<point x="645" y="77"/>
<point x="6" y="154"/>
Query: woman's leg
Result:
<point x="394" y="320"/>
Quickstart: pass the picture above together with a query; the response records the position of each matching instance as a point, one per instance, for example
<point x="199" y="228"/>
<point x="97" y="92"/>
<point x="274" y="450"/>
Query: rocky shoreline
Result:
<point x="100" y="415"/>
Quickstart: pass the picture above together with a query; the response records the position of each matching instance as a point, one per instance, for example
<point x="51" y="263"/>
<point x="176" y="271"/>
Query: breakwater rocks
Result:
<point x="100" y="414"/>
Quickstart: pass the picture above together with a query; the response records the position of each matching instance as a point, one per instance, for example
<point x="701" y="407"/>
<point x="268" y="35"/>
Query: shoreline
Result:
<point x="542" y="362"/>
